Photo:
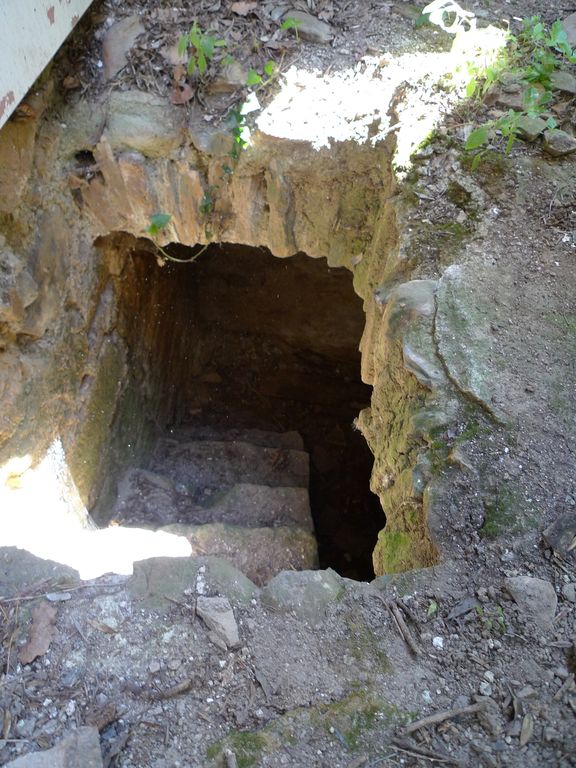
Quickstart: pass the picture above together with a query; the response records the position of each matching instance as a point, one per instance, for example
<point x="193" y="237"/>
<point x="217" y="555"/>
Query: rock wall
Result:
<point x="77" y="191"/>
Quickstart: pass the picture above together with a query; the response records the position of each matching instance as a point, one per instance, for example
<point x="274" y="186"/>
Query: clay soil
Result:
<point x="339" y="689"/>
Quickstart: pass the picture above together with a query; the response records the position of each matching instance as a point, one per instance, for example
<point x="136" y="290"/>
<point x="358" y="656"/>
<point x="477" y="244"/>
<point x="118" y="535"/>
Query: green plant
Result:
<point x="201" y="47"/>
<point x="492" y="619"/>
<point x="261" y="80"/>
<point x="158" y="223"/>
<point x="533" y="56"/>
<point x="291" y="23"/>
<point x="529" y="58"/>
<point x="239" y="130"/>
<point x="432" y="609"/>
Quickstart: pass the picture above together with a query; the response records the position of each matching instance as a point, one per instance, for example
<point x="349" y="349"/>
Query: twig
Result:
<point x="408" y="611"/>
<point x="175" y="690"/>
<point x="426" y="754"/>
<point x="440" y="717"/>
<point x="565" y="687"/>
<point x="22" y="598"/>
<point x="403" y="627"/>
<point x="400" y="623"/>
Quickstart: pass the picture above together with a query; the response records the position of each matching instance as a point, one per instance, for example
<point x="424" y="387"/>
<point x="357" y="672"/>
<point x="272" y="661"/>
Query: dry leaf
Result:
<point x="178" y="72"/>
<point x="181" y="94"/>
<point x="71" y="82"/>
<point x="25" y="111"/>
<point x="243" y="8"/>
<point x="100" y="717"/>
<point x="6" y="723"/>
<point x="41" y="632"/>
<point x="527" y="729"/>
<point x="101" y="627"/>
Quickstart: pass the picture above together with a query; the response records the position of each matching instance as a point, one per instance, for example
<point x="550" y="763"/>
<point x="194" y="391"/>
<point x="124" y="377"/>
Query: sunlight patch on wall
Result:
<point x="41" y="512"/>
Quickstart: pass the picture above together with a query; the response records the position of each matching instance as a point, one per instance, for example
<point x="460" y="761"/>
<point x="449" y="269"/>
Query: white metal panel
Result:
<point x="31" y="31"/>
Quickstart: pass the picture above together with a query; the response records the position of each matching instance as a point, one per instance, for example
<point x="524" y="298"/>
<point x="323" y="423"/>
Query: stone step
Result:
<point x="147" y="498"/>
<point x="261" y="437"/>
<point x="259" y="553"/>
<point x="254" y="506"/>
<point x="202" y="465"/>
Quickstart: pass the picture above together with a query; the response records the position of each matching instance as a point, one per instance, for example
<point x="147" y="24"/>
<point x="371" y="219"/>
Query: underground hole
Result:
<point x="234" y="347"/>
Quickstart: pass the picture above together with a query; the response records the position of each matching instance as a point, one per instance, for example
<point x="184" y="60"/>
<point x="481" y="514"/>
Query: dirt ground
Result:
<point x="483" y="646"/>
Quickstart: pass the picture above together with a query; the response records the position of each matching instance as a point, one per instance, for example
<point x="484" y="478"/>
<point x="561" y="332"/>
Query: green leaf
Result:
<point x="253" y="78"/>
<point x="551" y="123"/>
<point x="471" y="88"/>
<point x="477" y="138"/>
<point x="157" y="223"/>
<point x="557" y="34"/>
<point x="477" y="159"/>
<point x="270" y="68"/>
<point x="182" y="45"/>
<point x="424" y="18"/>
<point x="207" y="46"/>
<point x="195" y="35"/>
<point x="432" y="609"/>
<point x="290" y="23"/>
<point x="201" y="62"/>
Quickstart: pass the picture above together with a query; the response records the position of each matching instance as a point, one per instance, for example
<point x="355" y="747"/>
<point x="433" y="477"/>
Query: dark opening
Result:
<point x="241" y="339"/>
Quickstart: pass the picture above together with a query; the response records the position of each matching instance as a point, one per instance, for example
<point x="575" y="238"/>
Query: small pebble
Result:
<point x="485" y="688"/>
<point x="438" y="642"/>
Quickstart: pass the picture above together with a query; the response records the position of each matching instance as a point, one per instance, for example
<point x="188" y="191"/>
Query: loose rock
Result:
<point x="218" y="615"/>
<point x="310" y="28"/>
<point x="119" y="39"/>
<point x="558" y="143"/>
<point x="535" y="597"/>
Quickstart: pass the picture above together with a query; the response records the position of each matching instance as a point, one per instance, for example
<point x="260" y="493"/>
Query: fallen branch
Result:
<point x="440" y="717"/>
<point x="401" y="625"/>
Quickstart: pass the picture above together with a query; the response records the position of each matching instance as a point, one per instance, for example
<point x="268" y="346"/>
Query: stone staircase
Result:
<point x="241" y="494"/>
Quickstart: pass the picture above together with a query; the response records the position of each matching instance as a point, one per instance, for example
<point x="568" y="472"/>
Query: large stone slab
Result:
<point x="81" y="749"/>
<point x="145" y="498"/>
<point x="256" y="506"/>
<point x="261" y="437"/>
<point x="306" y="594"/>
<point x="216" y="464"/>
<point x="260" y="553"/>
<point x="463" y="333"/>
<point x="161" y="580"/>
<point x="143" y="122"/>
<point x="19" y="568"/>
